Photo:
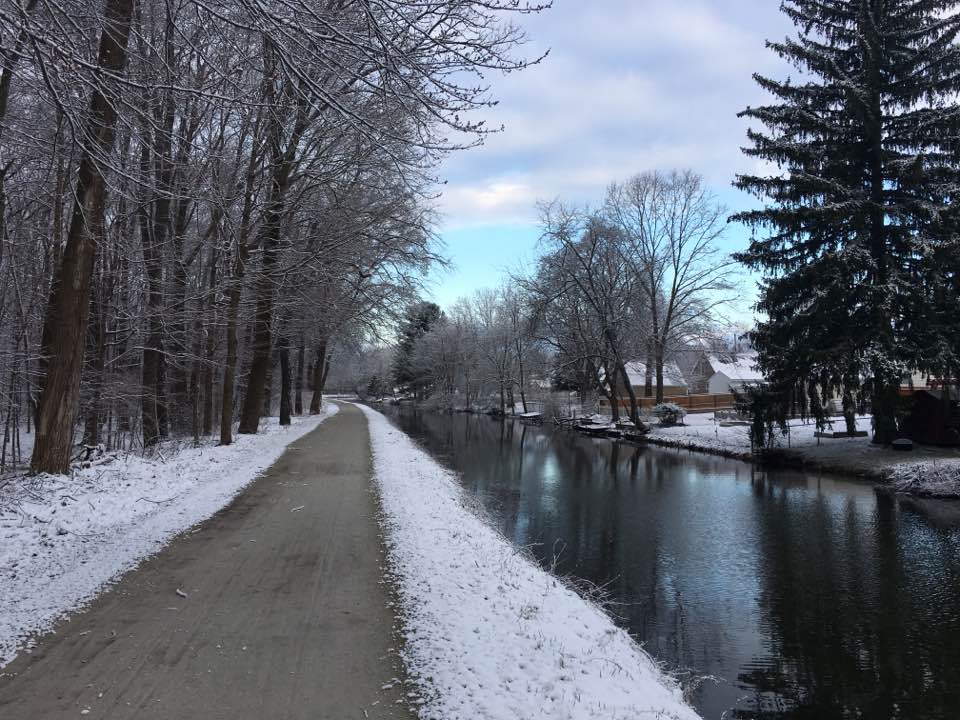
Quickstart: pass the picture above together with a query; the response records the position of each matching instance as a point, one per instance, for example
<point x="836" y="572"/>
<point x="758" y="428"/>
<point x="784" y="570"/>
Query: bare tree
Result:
<point x="190" y="192"/>
<point x="586" y="261"/>
<point x="670" y="226"/>
<point x="68" y="308"/>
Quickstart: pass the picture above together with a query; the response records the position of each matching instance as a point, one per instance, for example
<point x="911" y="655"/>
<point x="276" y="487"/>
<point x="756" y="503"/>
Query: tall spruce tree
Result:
<point x="860" y="209"/>
<point x="420" y="318"/>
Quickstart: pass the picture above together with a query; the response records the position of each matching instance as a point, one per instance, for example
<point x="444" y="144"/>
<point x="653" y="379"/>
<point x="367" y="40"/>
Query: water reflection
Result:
<point x="803" y="596"/>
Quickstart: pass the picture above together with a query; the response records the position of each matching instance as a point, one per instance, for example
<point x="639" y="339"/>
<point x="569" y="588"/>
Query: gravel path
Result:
<point x="274" y="608"/>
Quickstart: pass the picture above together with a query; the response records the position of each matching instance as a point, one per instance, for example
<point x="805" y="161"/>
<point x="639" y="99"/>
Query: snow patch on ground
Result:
<point x="925" y="470"/>
<point x="62" y="539"/>
<point x="489" y="634"/>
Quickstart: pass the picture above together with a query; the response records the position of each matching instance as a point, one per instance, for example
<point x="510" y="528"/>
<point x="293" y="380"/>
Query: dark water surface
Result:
<point x="804" y="595"/>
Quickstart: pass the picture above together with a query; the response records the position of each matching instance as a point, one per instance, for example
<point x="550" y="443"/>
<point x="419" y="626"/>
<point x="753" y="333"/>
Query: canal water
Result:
<point x="772" y="594"/>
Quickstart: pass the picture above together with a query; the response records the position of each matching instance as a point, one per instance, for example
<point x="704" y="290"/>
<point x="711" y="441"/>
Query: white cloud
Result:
<point x="488" y="201"/>
<point x="629" y="85"/>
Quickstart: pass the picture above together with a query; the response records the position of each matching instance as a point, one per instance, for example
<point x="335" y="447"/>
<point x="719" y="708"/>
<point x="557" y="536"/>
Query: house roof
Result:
<point x="737" y="367"/>
<point x="637" y="372"/>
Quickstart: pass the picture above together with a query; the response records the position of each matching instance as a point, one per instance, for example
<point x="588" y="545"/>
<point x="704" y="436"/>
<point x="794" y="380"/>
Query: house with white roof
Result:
<point x="730" y="372"/>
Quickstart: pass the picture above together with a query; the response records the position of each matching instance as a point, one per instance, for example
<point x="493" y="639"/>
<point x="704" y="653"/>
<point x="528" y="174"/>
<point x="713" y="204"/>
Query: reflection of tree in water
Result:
<point x="852" y="598"/>
<point x="591" y="509"/>
<point x="851" y="594"/>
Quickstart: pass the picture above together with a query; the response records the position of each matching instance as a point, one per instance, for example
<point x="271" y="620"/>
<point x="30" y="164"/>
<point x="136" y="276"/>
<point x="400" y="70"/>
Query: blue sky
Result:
<point x="629" y="85"/>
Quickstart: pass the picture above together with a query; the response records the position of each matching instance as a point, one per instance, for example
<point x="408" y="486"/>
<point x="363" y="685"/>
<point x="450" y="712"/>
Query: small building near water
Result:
<point x="731" y="373"/>
<point x="674" y="383"/>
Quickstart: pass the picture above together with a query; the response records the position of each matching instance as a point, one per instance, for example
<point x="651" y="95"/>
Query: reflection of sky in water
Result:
<point x="807" y="596"/>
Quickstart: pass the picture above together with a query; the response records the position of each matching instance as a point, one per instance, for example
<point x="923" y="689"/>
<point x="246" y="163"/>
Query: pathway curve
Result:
<point x="286" y="613"/>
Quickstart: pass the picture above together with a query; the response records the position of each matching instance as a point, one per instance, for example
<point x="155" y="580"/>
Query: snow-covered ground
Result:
<point x="488" y="634"/>
<point x="62" y="539"/>
<point x="925" y="470"/>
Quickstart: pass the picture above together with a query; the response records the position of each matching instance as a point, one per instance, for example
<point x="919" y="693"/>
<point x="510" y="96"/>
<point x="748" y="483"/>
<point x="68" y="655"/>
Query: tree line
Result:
<point x="855" y="235"/>
<point x="638" y="277"/>
<point x="194" y="195"/>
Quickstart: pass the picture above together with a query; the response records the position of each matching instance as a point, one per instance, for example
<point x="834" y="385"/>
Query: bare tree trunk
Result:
<point x="849" y="411"/>
<point x="195" y="372"/>
<point x="631" y="393"/>
<point x="69" y="305"/>
<point x="208" y="366"/>
<point x="326" y="372"/>
<point x="185" y="389"/>
<point x="208" y="390"/>
<point x="584" y="380"/>
<point x="7" y="424"/>
<point x="151" y="372"/>
<point x="182" y="383"/>
<point x="98" y="346"/>
<point x="648" y="371"/>
<point x="230" y="364"/>
<point x="523" y="393"/>
<point x="282" y="163"/>
<point x="613" y="396"/>
<point x="156" y="231"/>
<point x="298" y="393"/>
<point x="236" y="292"/>
<point x="285" y="383"/>
<point x="233" y="312"/>
<point x="260" y="365"/>
<point x="10" y="58"/>
<point x="658" y="351"/>
<point x="319" y="377"/>
<point x="268" y="386"/>
<point x="884" y="400"/>
<point x="163" y="408"/>
<point x="621" y="368"/>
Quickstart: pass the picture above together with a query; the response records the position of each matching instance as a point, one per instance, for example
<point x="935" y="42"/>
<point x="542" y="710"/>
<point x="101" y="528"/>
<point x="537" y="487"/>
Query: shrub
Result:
<point x="669" y="413"/>
<point x="767" y="410"/>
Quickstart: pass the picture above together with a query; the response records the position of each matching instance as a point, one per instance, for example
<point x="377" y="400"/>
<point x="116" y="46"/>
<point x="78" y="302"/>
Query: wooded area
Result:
<point x="639" y="277"/>
<point x="196" y="194"/>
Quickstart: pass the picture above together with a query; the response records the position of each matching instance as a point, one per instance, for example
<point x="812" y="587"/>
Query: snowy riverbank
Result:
<point x="924" y="471"/>
<point x="490" y="635"/>
<point x="62" y="539"/>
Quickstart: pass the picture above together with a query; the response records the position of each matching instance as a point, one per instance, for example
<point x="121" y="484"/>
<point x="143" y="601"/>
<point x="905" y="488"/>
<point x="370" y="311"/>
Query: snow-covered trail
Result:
<point x="274" y="608"/>
<point x="73" y="535"/>
<point x="489" y="634"/>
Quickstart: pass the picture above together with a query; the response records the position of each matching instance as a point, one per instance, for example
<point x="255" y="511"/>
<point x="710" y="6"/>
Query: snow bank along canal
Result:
<point x="803" y="595"/>
<point x="488" y="634"/>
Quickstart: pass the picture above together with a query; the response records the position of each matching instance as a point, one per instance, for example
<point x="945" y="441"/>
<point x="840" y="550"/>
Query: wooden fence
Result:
<point x="711" y="402"/>
<point x="693" y="403"/>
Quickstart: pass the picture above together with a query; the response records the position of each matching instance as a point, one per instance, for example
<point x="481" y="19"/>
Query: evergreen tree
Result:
<point x="420" y="318"/>
<point x="859" y="214"/>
